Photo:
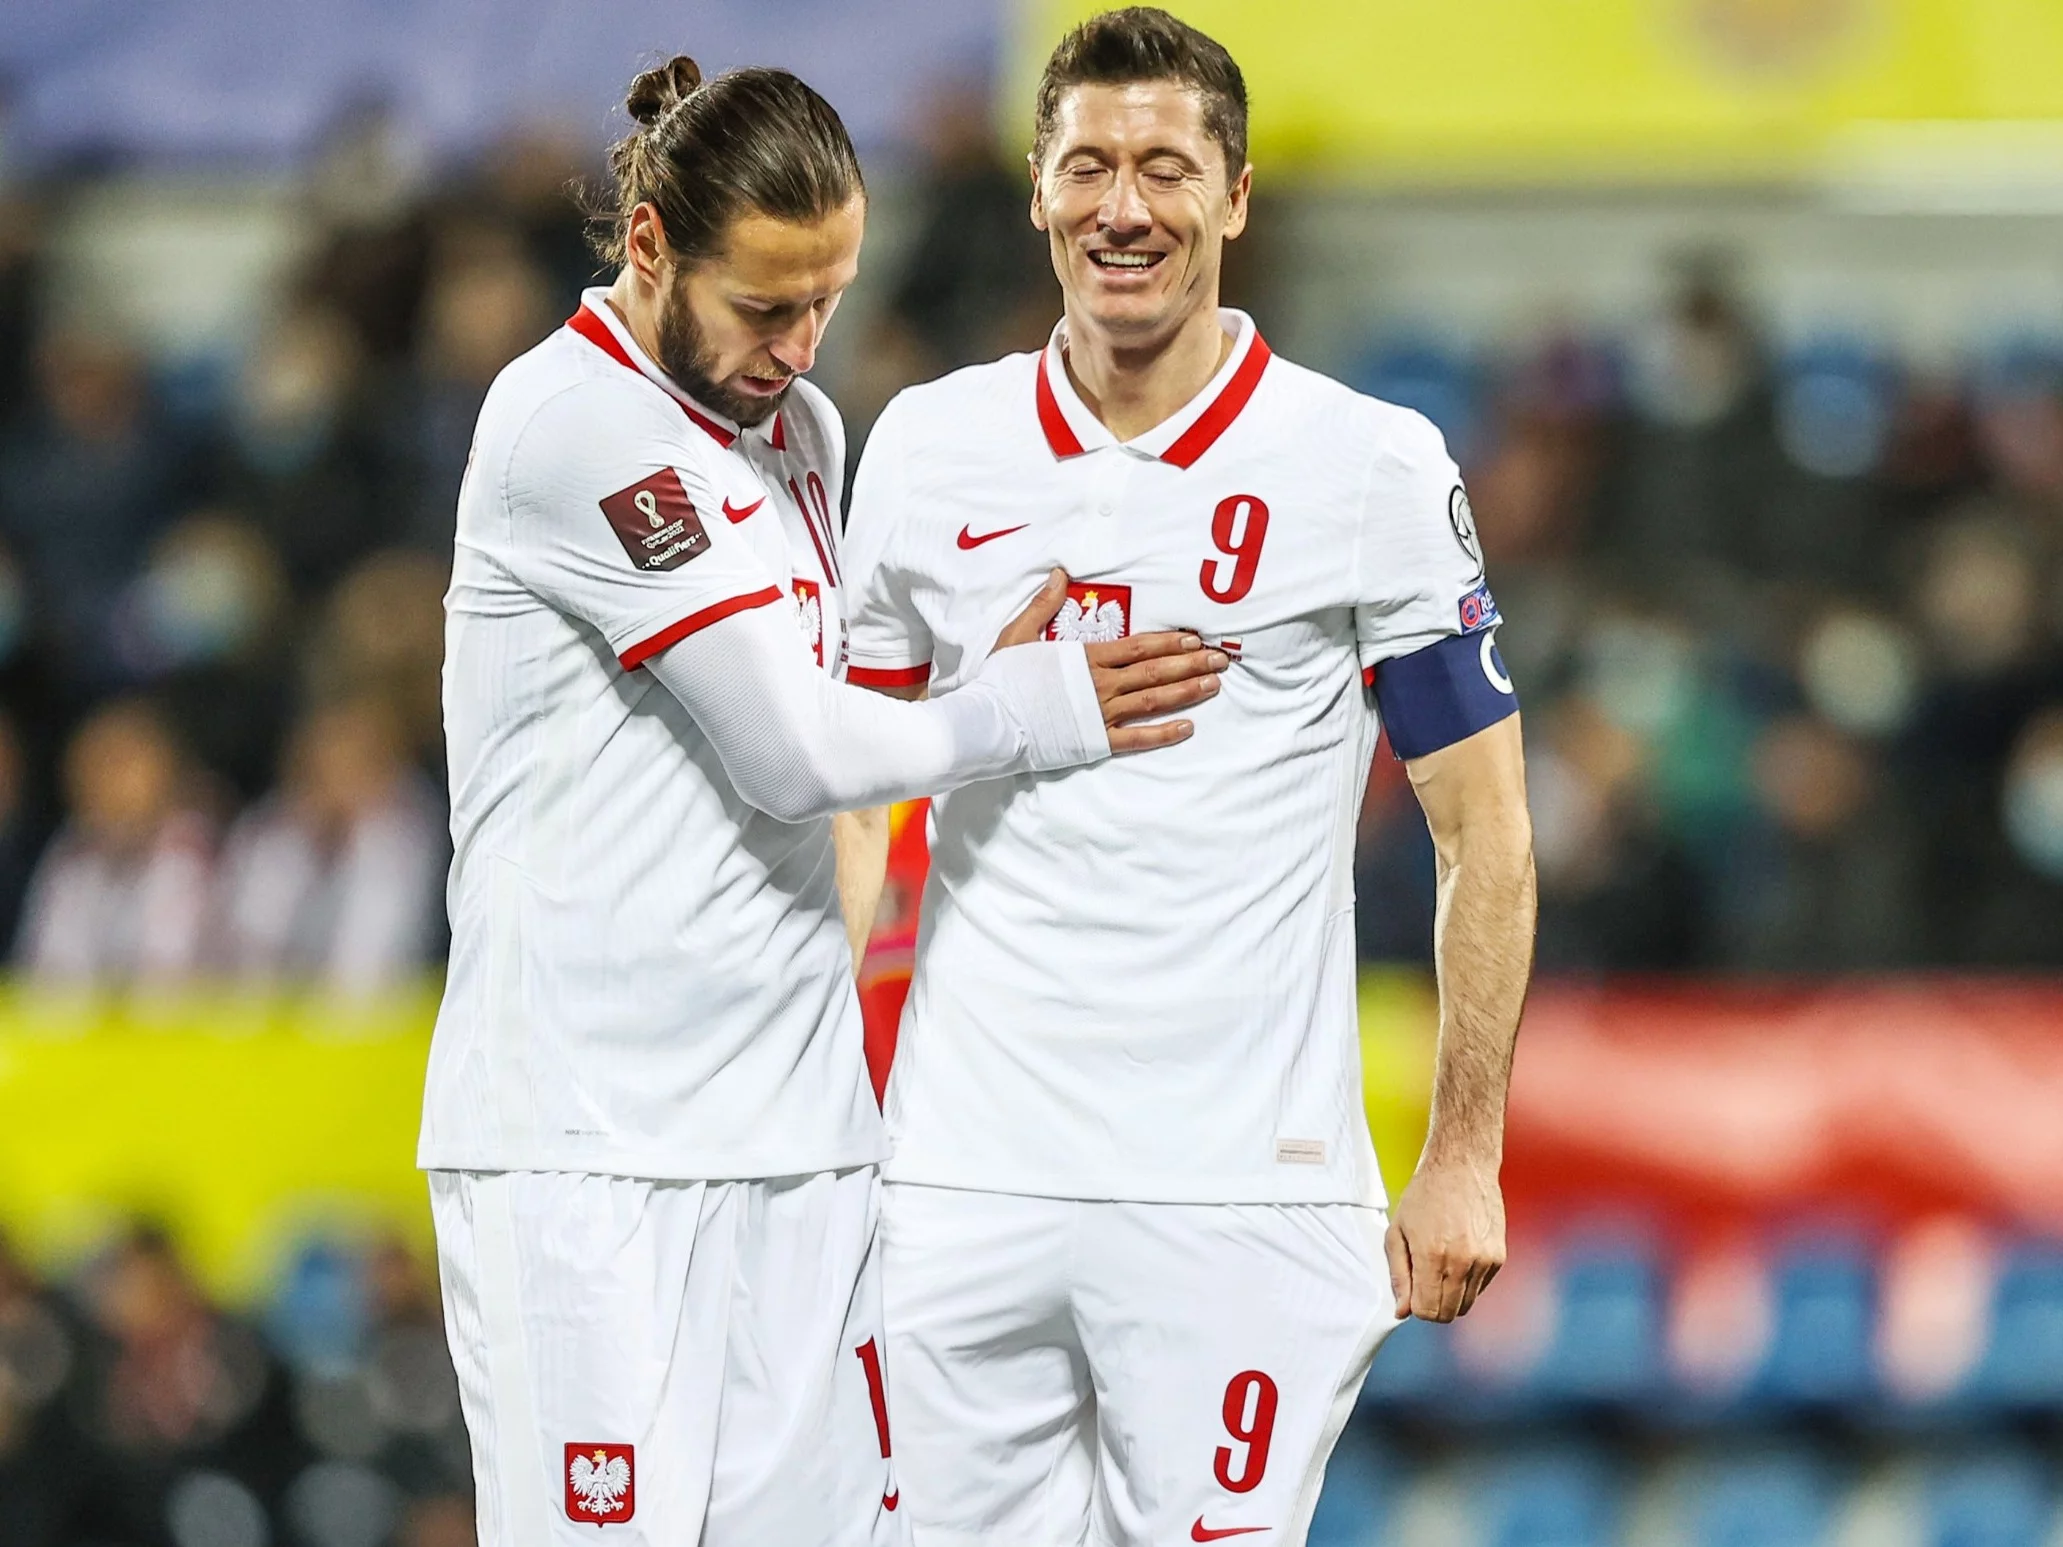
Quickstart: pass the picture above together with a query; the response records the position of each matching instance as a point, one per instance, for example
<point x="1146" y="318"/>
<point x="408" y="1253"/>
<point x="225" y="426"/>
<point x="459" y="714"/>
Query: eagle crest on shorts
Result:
<point x="598" y="1481"/>
<point x="1093" y="614"/>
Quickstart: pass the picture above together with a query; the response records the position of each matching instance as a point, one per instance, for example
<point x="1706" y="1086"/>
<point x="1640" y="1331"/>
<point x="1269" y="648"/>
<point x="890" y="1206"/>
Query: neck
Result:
<point x="1131" y="386"/>
<point x="638" y="305"/>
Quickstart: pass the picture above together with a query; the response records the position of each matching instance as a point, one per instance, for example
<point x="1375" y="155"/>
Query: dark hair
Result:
<point x="1144" y="43"/>
<point x="752" y="140"/>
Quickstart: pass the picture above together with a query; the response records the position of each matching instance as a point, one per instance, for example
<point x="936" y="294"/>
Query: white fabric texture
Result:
<point x="800" y="746"/>
<point x="714" y="1328"/>
<point x="1060" y="1372"/>
<point x="1137" y="982"/>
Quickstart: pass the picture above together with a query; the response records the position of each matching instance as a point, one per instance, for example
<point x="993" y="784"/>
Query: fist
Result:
<point x="1446" y="1239"/>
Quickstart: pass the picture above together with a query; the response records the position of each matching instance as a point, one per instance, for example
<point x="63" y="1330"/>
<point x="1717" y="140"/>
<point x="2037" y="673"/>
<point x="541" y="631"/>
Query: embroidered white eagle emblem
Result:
<point x="1090" y="618"/>
<point x="601" y="1481"/>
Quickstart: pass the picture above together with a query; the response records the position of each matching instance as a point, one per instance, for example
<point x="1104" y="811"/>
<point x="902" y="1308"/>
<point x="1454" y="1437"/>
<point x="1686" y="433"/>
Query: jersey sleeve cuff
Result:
<point x="888" y="676"/>
<point x="631" y="657"/>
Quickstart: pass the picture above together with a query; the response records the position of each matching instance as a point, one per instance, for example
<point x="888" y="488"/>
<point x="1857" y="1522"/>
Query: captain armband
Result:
<point x="1444" y="693"/>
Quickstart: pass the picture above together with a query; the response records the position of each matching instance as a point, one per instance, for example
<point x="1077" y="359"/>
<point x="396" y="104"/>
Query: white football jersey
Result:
<point x="1136" y="981"/>
<point x="648" y="977"/>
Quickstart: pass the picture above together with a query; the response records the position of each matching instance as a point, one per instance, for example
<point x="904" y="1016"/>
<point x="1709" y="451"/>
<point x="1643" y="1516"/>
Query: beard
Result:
<point x="685" y="355"/>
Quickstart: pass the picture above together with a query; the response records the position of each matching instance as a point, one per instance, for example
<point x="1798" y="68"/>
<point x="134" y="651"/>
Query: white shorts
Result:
<point x="678" y="1363"/>
<point x="1122" y="1374"/>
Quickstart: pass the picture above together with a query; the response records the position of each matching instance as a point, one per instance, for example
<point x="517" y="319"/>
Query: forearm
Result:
<point x="860" y="839"/>
<point x="1483" y="955"/>
<point x="799" y="745"/>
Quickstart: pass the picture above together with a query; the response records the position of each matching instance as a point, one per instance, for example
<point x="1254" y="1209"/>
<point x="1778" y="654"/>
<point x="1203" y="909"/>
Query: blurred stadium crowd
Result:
<point x="135" y="1414"/>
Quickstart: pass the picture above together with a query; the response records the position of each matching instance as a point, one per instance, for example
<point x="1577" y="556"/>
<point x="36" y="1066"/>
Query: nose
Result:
<point x="795" y="347"/>
<point x="1124" y="207"/>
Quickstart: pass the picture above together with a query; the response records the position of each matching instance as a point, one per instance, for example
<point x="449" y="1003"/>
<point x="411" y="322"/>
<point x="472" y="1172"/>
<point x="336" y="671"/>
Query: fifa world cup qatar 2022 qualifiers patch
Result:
<point x="656" y="522"/>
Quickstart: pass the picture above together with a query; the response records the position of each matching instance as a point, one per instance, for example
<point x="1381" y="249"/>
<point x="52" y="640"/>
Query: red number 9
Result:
<point x="1255" y="1432"/>
<point x="1244" y="550"/>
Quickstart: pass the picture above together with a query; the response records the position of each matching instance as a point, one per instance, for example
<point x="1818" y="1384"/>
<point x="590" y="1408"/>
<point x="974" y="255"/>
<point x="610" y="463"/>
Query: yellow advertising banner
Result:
<point x="1604" y="89"/>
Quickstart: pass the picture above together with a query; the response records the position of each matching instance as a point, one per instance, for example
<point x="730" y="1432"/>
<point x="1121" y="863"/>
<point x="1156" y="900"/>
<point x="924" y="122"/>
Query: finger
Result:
<point x="1029" y="624"/>
<point x="1141" y="647"/>
<point x="1399" y="1258"/>
<point x="1111" y="681"/>
<point x="1471" y="1287"/>
<point x="1485" y="1269"/>
<point x="1144" y="738"/>
<point x="1158" y="701"/>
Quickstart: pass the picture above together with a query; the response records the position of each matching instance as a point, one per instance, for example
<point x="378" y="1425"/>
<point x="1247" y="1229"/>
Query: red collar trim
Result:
<point x="1193" y="442"/>
<point x="779" y="438"/>
<point x="1215" y="420"/>
<point x="1060" y="434"/>
<point x="597" y="332"/>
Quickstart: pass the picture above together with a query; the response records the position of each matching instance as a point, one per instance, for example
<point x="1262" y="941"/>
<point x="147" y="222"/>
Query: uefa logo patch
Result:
<point x="1094" y="612"/>
<point x="601" y="1484"/>
<point x="1479" y="610"/>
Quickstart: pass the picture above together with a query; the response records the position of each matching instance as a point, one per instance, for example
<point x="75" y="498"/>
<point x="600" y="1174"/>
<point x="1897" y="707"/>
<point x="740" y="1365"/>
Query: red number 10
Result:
<point x="1244" y="550"/>
<point x="1248" y="1388"/>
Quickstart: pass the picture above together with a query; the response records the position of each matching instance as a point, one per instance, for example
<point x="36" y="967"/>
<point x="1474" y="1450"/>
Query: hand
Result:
<point x="1136" y="677"/>
<point x="1446" y="1239"/>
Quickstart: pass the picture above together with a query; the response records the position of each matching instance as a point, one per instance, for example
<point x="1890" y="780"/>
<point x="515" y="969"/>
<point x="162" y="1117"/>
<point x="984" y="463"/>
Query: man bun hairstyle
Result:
<point x="750" y="141"/>
<point x="1145" y="43"/>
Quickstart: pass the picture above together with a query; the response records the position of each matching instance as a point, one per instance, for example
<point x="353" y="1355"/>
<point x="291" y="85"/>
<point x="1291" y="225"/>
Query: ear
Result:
<point x="1038" y="198"/>
<point x="1235" y="202"/>
<point x="645" y="250"/>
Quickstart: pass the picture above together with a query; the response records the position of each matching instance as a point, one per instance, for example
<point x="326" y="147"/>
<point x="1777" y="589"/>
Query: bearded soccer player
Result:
<point x="1135" y="1261"/>
<point x="651" y="1138"/>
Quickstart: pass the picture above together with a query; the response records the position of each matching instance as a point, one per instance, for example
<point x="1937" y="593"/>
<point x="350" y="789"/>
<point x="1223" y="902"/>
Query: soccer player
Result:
<point x="651" y="1138"/>
<point x="1134" y="1256"/>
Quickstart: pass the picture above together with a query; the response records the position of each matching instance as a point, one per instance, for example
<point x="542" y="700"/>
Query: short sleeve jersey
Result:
<point x="648" y="976"/>
<point x="1136" y="980"/>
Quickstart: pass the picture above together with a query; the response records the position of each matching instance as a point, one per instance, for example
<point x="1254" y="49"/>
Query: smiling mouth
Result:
<point x="1122" y="261"/>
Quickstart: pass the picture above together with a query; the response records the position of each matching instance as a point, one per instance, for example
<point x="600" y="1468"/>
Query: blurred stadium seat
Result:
<point x="2005" y="1498"/>
<point x="1777" y="1498"/>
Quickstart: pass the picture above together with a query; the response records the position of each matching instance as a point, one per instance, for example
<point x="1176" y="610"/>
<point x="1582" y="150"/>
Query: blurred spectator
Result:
<point x="301" y="458"/>
<point x="120" y="896"/>
<point x="533" y="179"/>
<point x="1701" y="456"/>
<point x="188" y="1411"/>
<point x="382" y="636"/>
<point x="335" y="878"/>
<point x="1825" y="880"/>
<point x="1616" y="892"/>
<point x="21" y="832"/>
<point x="487" y="303"/>
<point x="2015" y="916"/>
<point x="81" y="492"/>
<point x="43" y="1475"/>
<point x="204" y="624"/>
<point x="21" y="283"/>
<point x="975" y="281"/>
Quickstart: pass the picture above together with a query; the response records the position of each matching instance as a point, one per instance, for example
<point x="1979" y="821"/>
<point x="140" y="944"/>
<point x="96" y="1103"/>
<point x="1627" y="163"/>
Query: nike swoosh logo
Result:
<point x="1203" y="1533"/>
<point x="969" y="540"/>
<point x="890" y="1500"/>
<point x="735" y="516"/>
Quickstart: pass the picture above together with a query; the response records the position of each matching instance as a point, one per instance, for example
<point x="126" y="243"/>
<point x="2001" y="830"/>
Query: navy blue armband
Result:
<point x="1444" y="693"/>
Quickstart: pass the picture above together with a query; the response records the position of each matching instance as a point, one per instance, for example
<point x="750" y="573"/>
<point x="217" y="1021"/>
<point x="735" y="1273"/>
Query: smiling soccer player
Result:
<point x="1135" y="1261"/>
